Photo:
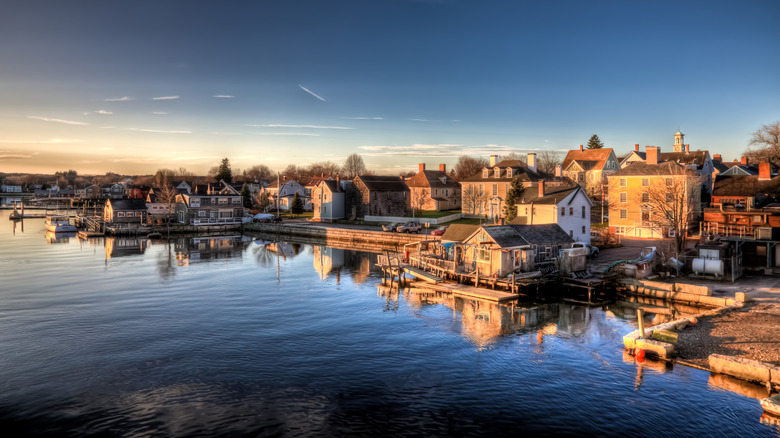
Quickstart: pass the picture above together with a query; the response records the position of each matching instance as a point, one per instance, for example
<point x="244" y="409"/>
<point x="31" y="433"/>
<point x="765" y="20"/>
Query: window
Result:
<point x="563" y="211"/>
<point x="435" y="192"/>
<point x="645" y="182"/>
<point x="120" y="214"/>
<point x="485" y="173"/>
<point x="213" y="200"/>
<point x="571" y="211"/>
<point x="623" y="214"/>
<point x="483" y="255"/>
<point x="623" y="197"/>
<point x="202" y="213"/>
<point x="583" y="212"/>
<point x="571" y="233"/>
<point x="509" y="172"/>
<point x="497" y="172"/>
<point x="669" y="197"/>
<point x="583" y="229"/>
<point x="526" y="211"/>
<point x="646" y="197"/>
<point x="236" y="200"/>
<point x="669" y="181"/>
<point x="225" y="214"/>
<point x="622" y="182"/>
<point x="223" y="200"/>
<point x="446" y="192"/>
<point x="495" y="189"/>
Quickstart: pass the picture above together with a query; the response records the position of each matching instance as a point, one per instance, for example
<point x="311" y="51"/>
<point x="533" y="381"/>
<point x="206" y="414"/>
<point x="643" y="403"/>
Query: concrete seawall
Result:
<point x="344" y="235"/>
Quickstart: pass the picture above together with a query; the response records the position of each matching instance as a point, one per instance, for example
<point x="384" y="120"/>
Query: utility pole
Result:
<point x="278" y="193"/>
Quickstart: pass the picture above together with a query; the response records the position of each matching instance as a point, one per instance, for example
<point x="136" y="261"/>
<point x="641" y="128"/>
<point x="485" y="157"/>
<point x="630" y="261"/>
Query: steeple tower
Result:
<point x="679" y="145"/>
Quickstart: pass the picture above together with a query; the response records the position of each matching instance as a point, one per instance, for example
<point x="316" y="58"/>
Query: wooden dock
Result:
<point x="422" y="275"/>
<point x="467" y="291"/>
<point x="88" y="234"/>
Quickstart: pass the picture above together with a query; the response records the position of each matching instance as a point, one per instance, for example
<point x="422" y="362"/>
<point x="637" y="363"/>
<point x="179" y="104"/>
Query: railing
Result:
<point x="742" y="231"/>
<point x="216" y="220"/>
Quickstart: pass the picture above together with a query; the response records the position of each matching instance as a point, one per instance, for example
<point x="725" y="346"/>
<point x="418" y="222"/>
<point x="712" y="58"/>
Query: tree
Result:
<point x="467" y="166"/>
<point x="546" y="161"/>
<point x="513" y="156"/>
<point x="259" y="172"/>
<point x="323" y="168"/>
<point x="512" y="198"/>
<point x="765" y="144"/>
<point x="595" y="143"/>
<point x="475" y="199"/>
<point x="419" y="198"/>
<point x="354" y="166"/>
<point x="297" y="205"/>
<point x="224" y="172"/>
<point x="264" y="201"/>
<point x="246" y="196"/>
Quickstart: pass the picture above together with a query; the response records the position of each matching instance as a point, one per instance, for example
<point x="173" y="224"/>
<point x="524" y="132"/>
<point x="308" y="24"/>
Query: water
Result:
<point x="223" y="337"/>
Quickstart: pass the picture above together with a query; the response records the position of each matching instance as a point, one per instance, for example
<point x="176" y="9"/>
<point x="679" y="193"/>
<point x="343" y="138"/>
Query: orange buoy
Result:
<point x="639" y="354"/>
<point x="693" y="320"/>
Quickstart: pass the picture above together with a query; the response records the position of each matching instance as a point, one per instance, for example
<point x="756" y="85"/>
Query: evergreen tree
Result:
<point x="512" y="197"/>
<point x="224" y="172"/>
<point x="246" y="196"/>
<point x="595" y="143"/>
<point x="297" y="205"/>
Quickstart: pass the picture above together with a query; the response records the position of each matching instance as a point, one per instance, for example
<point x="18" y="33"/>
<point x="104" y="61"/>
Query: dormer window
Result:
<point x="509" y="172"/>
<point x="497" y="172"/>
<point x="485" y="173"/>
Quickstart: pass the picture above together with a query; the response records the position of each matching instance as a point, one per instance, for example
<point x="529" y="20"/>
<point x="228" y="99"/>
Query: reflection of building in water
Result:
<point x="52" y="237"/>
<point x="209" y="248"/>
<point x="360" y="264"/>
<point x="284" y="249"/>
<point x="124" y="246"/>
<point x="327" y="259"/>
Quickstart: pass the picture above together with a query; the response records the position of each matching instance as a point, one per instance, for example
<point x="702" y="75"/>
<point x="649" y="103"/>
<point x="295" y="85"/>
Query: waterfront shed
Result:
<point x="125" y="211"/>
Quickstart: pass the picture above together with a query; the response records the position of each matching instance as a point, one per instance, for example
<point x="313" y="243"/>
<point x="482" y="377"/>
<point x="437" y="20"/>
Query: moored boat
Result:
<point x="59" y="224"/>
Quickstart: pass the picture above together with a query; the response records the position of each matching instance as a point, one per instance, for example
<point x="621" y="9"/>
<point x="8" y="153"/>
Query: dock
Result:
<point x="466" y="291"/>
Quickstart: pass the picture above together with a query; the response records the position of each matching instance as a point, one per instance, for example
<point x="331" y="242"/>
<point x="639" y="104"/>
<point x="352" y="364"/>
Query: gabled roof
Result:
<point x="552" y="195"/>
<point x="518" y="169"/>
<point x="698" y="158"/>
<point x="433" y="179"/>
<point x="599" y="156"/>
<point x="332" y="185"/>
<point x="639" y="168"/>
<point x="744" y="185"/>
<point x="382" y="183"/>
<point x="508" y="236"/>
<point x="459" y="232"/>
<point x="127" y="204"/>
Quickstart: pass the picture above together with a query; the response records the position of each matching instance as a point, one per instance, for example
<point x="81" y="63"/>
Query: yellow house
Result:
<point x="653" y="200"/>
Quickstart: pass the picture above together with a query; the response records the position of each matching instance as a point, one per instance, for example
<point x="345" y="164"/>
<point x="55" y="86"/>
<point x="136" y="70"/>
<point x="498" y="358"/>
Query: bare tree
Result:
<point x="765" y="144"/>
<point x="258" y="172"/>
<point x="323" y="168"/>
<point x="547" y="160"/>
<point x="514" y="156"/>
<point x="468" y="166"/>
<point x="671" y="201"/>
<point x="354" y="166"/>
<point x="419" y="198"/>
<point x="475" y="200"/>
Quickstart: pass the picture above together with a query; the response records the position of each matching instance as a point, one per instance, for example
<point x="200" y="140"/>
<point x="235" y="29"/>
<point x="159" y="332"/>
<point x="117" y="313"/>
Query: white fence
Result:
<point x="422" y="220"/>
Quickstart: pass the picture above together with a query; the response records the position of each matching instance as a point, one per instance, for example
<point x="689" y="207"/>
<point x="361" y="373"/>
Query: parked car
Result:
<point x="596" y="237"/>
<point x="409" y="227"/>
<point x="439" y="231"/>
<point x="593" y="251"/>
<point x="276" y="219"/>
<point x="390" y="227"/>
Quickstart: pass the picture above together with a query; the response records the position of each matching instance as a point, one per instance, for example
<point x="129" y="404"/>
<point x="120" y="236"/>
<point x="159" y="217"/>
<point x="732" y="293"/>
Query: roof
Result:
<point x="694" y="157"/>
<point x="598" y="156"/>
<point x="332" y="185"/>
<point x="744" y="185"/>
<point x="640" y="168"/>
<point x="507" y="236"/>
<point x="127" y="204"/>
<point x="432" y="178"/>
<point x="459" y="232"/>
<point x="552" y="195"/>
<point x="384" y="183"/>
<point x="518" y="169"/>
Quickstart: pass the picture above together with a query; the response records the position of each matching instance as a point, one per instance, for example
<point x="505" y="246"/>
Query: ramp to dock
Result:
<point x="422" y="275"/>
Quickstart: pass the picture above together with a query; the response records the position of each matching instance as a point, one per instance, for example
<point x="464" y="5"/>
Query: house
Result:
<point x="589" y="167"/>
<point x="329" y="200"/>
<point x="458" y="232"/>
<point x="93" y="191"/>
<point x="214" y="206"/>
<point x="698" y="161"/>
<point x="653" y="199"/>
<point x="433" y="190"/>
<point x="483" y="193"/>
<point x="182" y="185"/>
<point x="135" y="191"/>
<point x="746" y="191"/>
<point x="114" y="191"/>
<point x="157" y="205"/>
<point x="376" y="195"/>
<point x="568" y="207"/>
<point x="11" y="188"/>
<point x="498" y="250"/>
<point x="125" y="211"/>
<point x="283" y="190"/>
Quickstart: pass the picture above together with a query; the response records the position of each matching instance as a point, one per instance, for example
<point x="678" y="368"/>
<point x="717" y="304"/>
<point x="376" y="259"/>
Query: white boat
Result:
<point x="59" y="224"/>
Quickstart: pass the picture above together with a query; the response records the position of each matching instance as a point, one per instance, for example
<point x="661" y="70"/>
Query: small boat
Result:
<point x="59" y="224"/>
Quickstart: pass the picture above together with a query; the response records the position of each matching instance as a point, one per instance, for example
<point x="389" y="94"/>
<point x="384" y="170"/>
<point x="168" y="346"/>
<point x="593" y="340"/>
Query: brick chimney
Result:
<point x="421" y="167"/>
<point x="718" y="158"/>
<point x="764" y="171"/>
<point x="443" y="168"/>
<point x="687" y="148"/>
<point x="558" y="171"/>
<point x="636" y="147"/>
<point x="581" y="149"/>
<point x="744" y="161"/>
<point x="541" y="188"/>
<point x="652" y="154"/>
<point x="532" y="162"/>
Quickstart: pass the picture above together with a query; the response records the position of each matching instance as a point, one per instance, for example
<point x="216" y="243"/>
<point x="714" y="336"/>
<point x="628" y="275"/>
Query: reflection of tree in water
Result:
<point x="263" y="256"/>
<point x="360" y="264"/>
<point x="165" y="265"/>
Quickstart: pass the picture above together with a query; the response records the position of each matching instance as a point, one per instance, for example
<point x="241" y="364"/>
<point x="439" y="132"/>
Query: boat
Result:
<point x="59" y="224"/>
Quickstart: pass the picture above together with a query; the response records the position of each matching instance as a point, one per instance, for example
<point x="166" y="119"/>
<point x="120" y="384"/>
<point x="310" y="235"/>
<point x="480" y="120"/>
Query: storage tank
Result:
<point x="708" y="266"/>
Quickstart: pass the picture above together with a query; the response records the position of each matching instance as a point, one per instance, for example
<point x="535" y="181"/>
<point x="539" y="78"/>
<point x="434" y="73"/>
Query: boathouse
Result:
<point x="125" y="211"/>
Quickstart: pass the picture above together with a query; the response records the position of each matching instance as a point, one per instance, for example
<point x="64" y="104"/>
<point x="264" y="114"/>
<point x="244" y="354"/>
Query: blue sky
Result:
<point x="133" y="86"/>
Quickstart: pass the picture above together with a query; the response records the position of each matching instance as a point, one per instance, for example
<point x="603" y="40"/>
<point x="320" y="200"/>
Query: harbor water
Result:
<point x="242" y="336"/>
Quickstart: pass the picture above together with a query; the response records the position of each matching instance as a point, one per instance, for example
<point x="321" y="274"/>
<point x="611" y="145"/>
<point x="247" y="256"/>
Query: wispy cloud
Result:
<point x="166" y="98"/>
<point x="442" y="150"/>
<point x="159" y="131"/>
<point x="299" y="126"/>
<point x="311" y="92"/>
<point x="15" y="157"/>
<point x="362" y="118"/>
<point x="47" y="119"/>
<point x="47" y="141"/>
<point x="159" y="113"/>
<point x="119" y="99"/>
<point x="224" y="96"/>
<point x="104" y="112"/>
<point x="419" y="120"/>
<point x="289" y="133"/>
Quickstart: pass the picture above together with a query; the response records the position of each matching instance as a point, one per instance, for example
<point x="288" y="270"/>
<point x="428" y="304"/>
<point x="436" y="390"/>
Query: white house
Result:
<point x="283" y="191"/>
<point x="569" y="207"/>
<point x="11" y="188"/>
<point x="329" y="200"/>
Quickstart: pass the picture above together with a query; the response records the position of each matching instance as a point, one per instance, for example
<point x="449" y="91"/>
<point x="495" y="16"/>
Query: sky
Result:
<point x="134" y="86"/>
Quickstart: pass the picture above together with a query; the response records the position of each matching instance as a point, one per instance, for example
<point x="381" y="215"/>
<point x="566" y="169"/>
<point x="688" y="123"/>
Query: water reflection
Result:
<point x="52" y="237"/>
<point x="202" y="249"/>
<point x="125" y="246"/>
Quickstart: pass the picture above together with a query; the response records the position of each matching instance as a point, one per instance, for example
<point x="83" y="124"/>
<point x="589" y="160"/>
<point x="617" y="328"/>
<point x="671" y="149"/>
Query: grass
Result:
<point x="434" y="214"/>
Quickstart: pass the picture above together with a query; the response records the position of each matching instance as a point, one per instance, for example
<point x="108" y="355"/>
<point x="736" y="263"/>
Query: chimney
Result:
<point x="718" y="158"/>
<point x="541" y="188"/>
<point x="338" y="182"/>
<point x="421" y="167"/>
<point x="532" y="161"/>
<point x="443" y="168"/>
<point x="687" y="148"/>
<point x="581" y="148"/>
<point x="652" y="154"/>
<point x="636" y="147"/>
<point x="764" y="171"/>
<point x="558" y="171"/>
<point x="744" y="161"/>
<point x="493" y="159"/>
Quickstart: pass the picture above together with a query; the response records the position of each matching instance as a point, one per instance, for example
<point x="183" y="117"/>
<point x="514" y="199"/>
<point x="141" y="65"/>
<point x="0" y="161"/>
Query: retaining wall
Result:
<point x="326" y="234"/>
<point x="422" y="220"/>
